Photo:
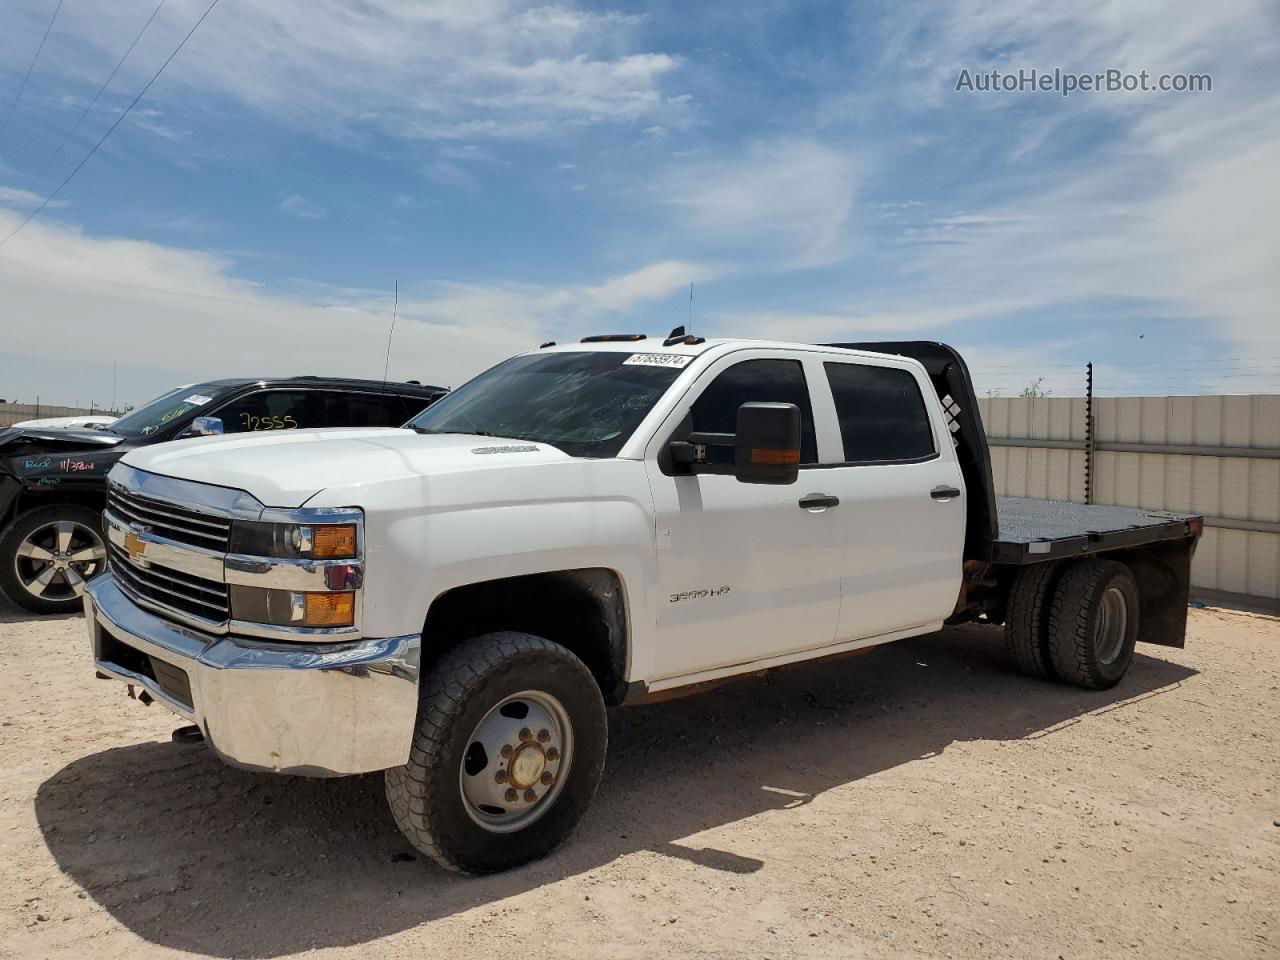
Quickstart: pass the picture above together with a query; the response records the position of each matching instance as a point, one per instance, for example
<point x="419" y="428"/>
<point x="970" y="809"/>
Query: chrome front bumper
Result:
<point x="318" y="710"/>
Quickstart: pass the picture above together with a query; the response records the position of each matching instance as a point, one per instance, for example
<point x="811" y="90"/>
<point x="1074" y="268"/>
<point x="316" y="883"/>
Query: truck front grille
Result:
<point x="175" y="523"/>
<point x="194" y="596"/>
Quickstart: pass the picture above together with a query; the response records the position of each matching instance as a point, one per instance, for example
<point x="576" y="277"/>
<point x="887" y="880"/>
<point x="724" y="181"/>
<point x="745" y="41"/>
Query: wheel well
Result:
<point x="28" y="499"/>
<point x="582" y="610"/>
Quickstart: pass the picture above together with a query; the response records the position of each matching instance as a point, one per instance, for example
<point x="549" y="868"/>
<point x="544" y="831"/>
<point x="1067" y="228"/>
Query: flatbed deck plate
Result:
<point x="1032" y="530"/>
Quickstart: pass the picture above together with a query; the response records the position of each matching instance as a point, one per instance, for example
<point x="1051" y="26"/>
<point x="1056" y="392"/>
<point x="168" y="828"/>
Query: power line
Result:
<point x="22" y="89"/>
<point x="105" y="83"/>
<point x="120" y="119"/>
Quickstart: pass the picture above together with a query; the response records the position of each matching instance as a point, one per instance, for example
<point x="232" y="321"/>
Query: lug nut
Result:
<point x="544" y="736"/>
<point x="526" y="733"/>
<point x="506" y="750"/>
<point x="553" y="755"/>
<point x="511" y="796"/>
<point x="547" y="779"/>
<point x="500" y="776"/>
<point x="530" y="796"/>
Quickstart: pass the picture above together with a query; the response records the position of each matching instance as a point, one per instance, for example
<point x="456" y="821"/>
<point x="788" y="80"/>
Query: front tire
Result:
<point x="47" y="554"/>
<point x="1093" y="623"/>
<point x="508" y="753"/>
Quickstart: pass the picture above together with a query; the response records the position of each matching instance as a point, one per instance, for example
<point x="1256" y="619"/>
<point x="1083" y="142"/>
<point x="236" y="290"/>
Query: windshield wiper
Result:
<point x="464" y="433"/>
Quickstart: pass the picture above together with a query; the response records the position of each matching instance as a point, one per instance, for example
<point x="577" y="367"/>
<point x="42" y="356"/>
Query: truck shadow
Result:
<point x="193" y="855"/>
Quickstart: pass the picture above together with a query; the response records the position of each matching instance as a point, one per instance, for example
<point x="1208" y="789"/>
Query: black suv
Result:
<point x="53" y="482"/>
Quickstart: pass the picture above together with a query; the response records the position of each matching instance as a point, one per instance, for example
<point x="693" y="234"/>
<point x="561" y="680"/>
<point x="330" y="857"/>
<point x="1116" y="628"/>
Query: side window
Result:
<point x="344" y="408"/>
<point x="268" y="410"/>
<point x="751" y="381"/>
<point x="882" y="414"/>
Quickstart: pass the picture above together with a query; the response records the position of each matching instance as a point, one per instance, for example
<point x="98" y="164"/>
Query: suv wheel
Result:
<point x="507" y="755"/>
<point x="48" y="553"/>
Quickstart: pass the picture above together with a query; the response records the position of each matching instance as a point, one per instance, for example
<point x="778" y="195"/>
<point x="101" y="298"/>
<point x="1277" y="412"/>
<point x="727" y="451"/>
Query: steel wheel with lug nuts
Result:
<point x="516" y="761"/>
<point x="47" y="554"/>
<point x="507" y="755"/>
<point x="1111" y="625"/>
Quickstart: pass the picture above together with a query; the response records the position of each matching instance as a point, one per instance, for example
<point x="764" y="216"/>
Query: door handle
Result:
<point x="818" y="501"/>
<point x="944" y="493"/>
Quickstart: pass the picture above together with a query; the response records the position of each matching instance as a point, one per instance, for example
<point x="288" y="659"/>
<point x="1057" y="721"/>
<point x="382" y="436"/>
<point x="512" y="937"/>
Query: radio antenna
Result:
<point x="395" y="310"/>
<point x="689" y="325"/>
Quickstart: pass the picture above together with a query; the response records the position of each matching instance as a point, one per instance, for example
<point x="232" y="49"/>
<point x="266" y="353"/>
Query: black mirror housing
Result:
<point x="766" y="447"/>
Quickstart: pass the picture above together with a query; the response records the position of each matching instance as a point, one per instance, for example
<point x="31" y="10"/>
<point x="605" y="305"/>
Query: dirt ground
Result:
<point x="920" y="800"/>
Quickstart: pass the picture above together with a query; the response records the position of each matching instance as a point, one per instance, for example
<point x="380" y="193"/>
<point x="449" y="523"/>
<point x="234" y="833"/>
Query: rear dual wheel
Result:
<point x="1076" y="622"/>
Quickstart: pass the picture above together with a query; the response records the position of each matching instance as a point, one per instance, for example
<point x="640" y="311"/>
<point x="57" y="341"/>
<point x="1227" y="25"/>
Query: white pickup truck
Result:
<point x="457" y="601"/>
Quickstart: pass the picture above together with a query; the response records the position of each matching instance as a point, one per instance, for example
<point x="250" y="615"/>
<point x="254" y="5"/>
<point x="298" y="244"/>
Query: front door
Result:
<point x="746" y="573"/>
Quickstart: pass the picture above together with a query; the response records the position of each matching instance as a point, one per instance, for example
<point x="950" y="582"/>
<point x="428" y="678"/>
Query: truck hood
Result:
<point x="61" y="440"/>
<point x="288" y="467"/>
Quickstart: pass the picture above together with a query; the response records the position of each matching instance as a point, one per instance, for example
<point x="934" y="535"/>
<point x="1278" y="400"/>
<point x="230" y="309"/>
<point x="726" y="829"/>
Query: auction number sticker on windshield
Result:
<point x="198" y="399"/>
<point x="657" y="360"/>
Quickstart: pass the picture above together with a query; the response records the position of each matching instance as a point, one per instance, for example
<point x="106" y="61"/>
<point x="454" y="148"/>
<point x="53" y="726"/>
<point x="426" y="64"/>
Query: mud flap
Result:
<point x="1163" y="572"/>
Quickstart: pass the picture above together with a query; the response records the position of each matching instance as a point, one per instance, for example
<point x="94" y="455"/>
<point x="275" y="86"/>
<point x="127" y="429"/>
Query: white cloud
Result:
<point x="442" y="70"/>
<point x="13" y="197"/>
<point x="1175" y="207"/>
<point x="786" y="201"/>
<point x="65" y="291"/>
<point x="299" y="206"/>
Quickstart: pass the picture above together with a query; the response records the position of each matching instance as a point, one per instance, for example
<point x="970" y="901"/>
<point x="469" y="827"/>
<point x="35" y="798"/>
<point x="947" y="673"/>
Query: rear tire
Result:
<point x="48" y="553"/>
<point x="1093" y="623"/>
<point x="1027" y="619"/>
<point x="507" y="755"/>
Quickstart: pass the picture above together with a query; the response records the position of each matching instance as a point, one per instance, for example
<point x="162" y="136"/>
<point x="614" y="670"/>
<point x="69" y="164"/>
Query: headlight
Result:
<point x="268" y="590"/>
<point x="317" y="541"/>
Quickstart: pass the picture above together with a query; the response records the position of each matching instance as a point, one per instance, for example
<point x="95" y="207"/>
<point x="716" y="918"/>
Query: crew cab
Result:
<point x="601" y="523"/>
<point x="53" y="476"/>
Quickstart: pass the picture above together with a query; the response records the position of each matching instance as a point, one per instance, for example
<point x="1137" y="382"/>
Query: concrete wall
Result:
<point x="1230" y="473"/>
<point x="17" y="412"/>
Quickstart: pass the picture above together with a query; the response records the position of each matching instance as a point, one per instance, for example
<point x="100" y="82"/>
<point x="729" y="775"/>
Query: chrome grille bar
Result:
<point x="176" y="523"/>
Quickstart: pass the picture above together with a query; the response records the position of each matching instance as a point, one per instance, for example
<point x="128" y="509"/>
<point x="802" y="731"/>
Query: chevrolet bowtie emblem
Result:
<point x="134" y="546"/>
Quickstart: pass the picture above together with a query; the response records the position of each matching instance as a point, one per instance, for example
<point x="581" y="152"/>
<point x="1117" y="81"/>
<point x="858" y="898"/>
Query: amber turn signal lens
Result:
<point x="782" y="458"/>
<point x="330" y="609"/>
<point x="334" y="541"/>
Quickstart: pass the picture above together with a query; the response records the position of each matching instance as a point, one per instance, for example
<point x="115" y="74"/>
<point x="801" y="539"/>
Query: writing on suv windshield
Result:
<point x="157" y="415"/>
<point x="586" y="404"/>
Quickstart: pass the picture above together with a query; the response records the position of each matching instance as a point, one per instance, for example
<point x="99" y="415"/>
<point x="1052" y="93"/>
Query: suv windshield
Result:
<point x="160" y="413"/>
<point x="586" y="404"/>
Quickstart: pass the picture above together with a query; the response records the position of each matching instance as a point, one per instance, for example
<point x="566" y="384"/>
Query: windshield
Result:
<point x="586" y="404"/>
<point x="164" y="411"/>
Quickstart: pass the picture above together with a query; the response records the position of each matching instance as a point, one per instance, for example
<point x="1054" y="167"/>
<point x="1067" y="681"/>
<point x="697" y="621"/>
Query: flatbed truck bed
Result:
<point x="1032" y="531"/>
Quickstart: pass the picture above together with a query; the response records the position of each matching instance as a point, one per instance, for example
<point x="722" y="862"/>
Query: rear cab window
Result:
<point x="881" y="413"/>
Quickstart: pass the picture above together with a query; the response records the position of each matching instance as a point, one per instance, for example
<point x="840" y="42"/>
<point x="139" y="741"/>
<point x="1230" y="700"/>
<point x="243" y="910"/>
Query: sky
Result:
<point x="529" y="171"/>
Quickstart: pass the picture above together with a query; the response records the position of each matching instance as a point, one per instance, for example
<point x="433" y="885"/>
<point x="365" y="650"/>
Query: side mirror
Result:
<point x="205" y="427"/>
<point x="766" y="448"/>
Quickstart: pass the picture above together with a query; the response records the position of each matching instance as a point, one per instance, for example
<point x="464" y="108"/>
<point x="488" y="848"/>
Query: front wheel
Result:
<point x="507" y="755"/>
<point x="47" y="554"/>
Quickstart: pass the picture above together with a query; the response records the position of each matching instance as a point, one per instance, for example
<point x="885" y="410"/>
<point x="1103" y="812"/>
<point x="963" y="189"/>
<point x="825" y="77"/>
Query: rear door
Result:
<point x="745" y="573"/>
<point x="901" y="497"/>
